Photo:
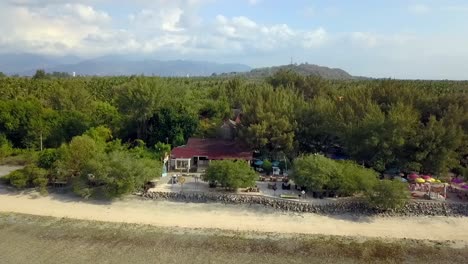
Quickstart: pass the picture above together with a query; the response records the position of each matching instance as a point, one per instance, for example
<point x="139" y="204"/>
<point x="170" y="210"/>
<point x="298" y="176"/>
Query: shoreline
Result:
<point x="233" y="217"/>
<point x="34" y="239"/>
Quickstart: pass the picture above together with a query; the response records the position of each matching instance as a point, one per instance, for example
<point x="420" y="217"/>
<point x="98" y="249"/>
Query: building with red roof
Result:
<point x="198" y="152"/>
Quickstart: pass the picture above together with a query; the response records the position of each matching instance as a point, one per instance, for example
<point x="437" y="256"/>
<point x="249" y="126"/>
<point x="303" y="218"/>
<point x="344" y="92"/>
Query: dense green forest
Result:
<point x="383" y="124"/>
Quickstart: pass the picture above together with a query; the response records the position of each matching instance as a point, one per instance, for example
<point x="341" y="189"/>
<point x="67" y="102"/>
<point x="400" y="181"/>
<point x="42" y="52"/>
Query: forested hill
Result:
<point x="302" y="69"/>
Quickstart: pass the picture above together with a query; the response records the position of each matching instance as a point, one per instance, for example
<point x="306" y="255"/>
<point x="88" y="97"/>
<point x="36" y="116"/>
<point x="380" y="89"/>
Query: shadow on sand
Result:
<point x="62" y="195"/>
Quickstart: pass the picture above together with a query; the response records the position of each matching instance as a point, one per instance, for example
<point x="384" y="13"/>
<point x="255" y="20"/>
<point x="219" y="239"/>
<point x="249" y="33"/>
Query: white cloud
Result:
<point x="86" y="13"/>
<point x="166" y="28"/>
<point x="315" y="38"/>
<point x="164" y="19"/>
<point x="253" y="37"/>
<point x="54" y="29"/>
<point x="244" y="22"/>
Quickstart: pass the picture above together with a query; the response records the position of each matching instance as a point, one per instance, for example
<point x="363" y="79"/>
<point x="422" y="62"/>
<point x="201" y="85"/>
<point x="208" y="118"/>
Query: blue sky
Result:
<point x="399" y="39"/>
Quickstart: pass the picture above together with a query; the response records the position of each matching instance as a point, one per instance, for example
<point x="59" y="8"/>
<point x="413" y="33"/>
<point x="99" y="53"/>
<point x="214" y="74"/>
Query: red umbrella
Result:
<point x="426" y="177"/>
<point x="413" y="176"/>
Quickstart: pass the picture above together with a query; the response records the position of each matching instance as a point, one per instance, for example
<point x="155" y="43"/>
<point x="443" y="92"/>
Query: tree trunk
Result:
<point x="41" y="140"/>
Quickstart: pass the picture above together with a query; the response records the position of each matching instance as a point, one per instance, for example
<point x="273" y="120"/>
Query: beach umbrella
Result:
<point x="457" y="180"/>
<point x="275" y="163"/>
<point x="258" y="163"/>
<point x="426" y="177"/>
<point x="413" y="176"/>
<point x="419" y="180"/>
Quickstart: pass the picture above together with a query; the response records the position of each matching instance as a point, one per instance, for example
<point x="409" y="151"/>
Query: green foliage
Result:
<point x="387" y="195"/>
<point x="40" y="74"/>
<point x="314" y="171"/>
<point x="267" y="166"/>
<point x="76" y="155"/>
<point x="410" y="125"/>
<point x="353" y="179"/>
<point x="162" y="150"/>
<point x="461" y="171"/>
<point x="6" y="148"/>
<point x="18" y="178"/>
<point x="47" y="158"/>
<point x="22" y="122"/>
<point x="269" y="118"/>
<point x="105" y="114"/>
<point x="37" y="177"/>
<point x="96" y="167"/>
<point x="230" y="174"/>
<point x="115" y="174"/>
<point x="99" y="134"/>
<point x="318" y="126"/>
<point x="173" y="125"/>
<point x="285" y="78"/>
<point x="29" y="176"/>
<point x="317" y="173"/>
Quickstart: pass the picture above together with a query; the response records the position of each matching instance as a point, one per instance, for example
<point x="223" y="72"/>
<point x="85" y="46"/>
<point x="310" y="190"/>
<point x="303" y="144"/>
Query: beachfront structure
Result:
<point x="197" y="153"/>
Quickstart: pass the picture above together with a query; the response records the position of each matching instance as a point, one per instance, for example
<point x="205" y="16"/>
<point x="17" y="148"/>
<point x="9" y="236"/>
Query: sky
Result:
<point x="380" y="38"/>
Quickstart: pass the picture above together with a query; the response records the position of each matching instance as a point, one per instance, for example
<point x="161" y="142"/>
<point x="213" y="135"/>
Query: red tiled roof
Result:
<point x="213" y="149"/>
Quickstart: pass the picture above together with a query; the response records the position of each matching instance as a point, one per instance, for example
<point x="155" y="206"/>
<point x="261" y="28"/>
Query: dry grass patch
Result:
<point x="33" y="239"/>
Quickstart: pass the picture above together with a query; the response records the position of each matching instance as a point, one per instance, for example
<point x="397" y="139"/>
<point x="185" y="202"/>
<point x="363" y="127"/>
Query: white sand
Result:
<point x="232" y="217"/>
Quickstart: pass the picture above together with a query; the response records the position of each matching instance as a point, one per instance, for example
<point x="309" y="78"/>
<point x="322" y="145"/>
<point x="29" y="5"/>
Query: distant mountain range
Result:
<point x="20" y="63"/>
<point x="27" y="64"/>
<point x="302" y="69"/>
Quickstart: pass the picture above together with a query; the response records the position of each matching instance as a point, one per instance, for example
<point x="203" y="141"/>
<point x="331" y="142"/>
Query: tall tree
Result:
<point x="269" y="119"/>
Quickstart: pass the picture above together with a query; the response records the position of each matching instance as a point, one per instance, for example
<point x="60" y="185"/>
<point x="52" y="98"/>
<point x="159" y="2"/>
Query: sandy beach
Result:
<point x="230" y="217"/>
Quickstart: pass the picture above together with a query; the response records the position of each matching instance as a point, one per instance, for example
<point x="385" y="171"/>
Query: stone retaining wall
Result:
<point x="356" y="207"/>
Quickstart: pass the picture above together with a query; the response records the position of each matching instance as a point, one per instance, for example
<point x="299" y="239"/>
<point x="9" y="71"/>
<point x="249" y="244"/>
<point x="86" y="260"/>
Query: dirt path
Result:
<point x="242" y="218"/>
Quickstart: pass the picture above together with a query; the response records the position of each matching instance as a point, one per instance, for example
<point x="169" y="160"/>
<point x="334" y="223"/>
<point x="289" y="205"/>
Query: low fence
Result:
<point x="348" y="206"/>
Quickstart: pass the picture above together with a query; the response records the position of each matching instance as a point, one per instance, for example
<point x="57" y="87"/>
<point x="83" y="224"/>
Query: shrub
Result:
<point x="114" y="174"/>
<point x="37" y="177"/>
<point x="231" y="174"/>
<point x="29" y="176"/>
<point x="317" y="173"/>
<point x="18" y="178"/>
<point x="20" y="158"/>
<point x="354" y="178"/>
<point x="314" y="171"/>
<point x="267" y="166"/>
<point x="47" y="158"/>
<point x="6" y="148"/>
<point x="387" y="195"/>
